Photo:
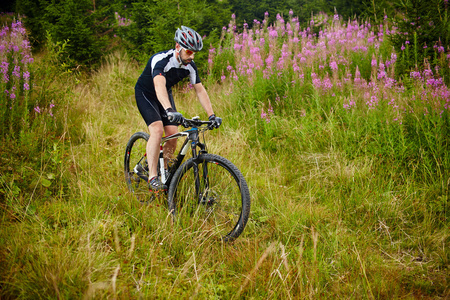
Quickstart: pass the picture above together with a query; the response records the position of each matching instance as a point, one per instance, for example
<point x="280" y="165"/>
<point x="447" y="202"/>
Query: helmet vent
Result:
<point x="188" y="38"/>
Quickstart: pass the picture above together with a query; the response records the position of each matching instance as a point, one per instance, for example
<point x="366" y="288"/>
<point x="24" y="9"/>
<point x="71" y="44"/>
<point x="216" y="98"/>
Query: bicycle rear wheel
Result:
<point x="136" y="167"/>
<point x="209" y="193"/>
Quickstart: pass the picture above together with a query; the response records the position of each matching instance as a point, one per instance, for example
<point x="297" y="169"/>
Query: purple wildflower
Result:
<point x="16" y="71"/>
<point x="333" y="66"/>
<point x="4" y="67"/>
<point x="393" y="57"/>
<point x="26" y="75"/>
<point x="374" y="62"/>
<point x="273" y="34"/>
<point x="263" y="114"/>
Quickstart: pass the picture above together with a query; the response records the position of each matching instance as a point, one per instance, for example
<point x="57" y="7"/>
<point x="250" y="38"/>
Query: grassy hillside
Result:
<point x="349" y="197"/>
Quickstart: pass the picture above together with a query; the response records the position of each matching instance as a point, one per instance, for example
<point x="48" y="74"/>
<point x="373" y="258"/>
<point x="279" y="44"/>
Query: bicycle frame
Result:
<point x="192" y="136"/>
<point x="215" y="183"/>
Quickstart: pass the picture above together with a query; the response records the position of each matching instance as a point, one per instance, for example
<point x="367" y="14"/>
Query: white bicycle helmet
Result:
<point x="189" y="39"/>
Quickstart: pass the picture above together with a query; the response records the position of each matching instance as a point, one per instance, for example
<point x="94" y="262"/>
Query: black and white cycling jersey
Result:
<point x="165" y="63"/>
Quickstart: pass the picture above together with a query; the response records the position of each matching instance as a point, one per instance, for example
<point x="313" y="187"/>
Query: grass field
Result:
<point x="349" y="180"/>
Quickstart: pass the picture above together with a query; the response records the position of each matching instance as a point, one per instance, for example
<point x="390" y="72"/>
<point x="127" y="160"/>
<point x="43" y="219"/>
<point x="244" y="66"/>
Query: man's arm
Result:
<point x="203" y="98"/>
<point x="161" y="91"/>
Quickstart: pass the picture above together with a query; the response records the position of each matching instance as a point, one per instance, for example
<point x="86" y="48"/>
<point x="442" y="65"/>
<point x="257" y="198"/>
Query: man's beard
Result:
<point x="185" y="61"/>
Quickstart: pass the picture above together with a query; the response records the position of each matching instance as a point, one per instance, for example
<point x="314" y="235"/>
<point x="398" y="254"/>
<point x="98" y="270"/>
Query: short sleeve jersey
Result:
<point x="165" y="63"/>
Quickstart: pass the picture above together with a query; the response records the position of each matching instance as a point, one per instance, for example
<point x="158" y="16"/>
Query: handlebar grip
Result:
<point x="175" y="117"/>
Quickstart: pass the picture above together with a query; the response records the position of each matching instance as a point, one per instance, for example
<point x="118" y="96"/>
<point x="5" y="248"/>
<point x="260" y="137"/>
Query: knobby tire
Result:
<point x="218" y="203"/>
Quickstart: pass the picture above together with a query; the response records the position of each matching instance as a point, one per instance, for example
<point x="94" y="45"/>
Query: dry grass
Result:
<point x="331" y="229"/>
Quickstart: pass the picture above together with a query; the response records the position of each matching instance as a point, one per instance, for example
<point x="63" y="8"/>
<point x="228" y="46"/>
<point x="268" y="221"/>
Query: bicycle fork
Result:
<point x="201" y="183"/>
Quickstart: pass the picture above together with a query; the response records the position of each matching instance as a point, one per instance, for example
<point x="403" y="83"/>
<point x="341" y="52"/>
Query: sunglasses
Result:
<point x="188" y="52"/>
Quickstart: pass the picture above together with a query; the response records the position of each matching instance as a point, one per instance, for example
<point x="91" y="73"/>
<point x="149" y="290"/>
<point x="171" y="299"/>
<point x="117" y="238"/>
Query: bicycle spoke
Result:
<point x="136" y="168"/>
<point x="209" y="198"/>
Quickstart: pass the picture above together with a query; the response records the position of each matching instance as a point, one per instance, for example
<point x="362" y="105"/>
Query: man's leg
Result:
<point x="156" y="131"/>
<point x="169" y="146"/>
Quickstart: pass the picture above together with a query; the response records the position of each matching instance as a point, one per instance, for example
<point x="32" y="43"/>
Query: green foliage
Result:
<point x="247" y="11"/>
<point x="376" y="10"/>
<point x="33" y="129"/>
<point x="91" y="29"/>
<point x="33" y="11"/>
<point x="350" y="9"/>
<point x="154" y="24"/>
<point x="423" y="34"/>
<point x="84" y="25"/>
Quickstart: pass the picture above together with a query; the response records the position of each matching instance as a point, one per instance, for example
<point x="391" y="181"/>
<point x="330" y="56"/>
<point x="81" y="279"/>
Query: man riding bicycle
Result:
<point x="153" y="92"/>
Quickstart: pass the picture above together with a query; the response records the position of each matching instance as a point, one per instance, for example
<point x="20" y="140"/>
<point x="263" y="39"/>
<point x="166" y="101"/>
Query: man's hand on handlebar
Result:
<point x="174" y="116"/>
<point x="215" y="121"/>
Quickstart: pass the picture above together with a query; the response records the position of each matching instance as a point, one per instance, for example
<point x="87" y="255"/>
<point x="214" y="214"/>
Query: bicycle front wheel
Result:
<point x="210" y="193"/>
<point x="136" y="167"/>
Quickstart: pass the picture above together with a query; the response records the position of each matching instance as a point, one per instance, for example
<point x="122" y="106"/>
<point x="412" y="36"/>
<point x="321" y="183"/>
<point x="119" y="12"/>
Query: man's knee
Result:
<point x="169" y="130"/>
<point x="171" y="144"/>
<point x="156" y="129"/>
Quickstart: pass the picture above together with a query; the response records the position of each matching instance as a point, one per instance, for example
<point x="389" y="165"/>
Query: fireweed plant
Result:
<point x="20" y="109"/>
<point x="15" y="58"/>
<point x="341" y="73"/>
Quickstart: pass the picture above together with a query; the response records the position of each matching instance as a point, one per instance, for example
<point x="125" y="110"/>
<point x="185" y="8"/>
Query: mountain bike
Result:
<point x="206" y="189"/>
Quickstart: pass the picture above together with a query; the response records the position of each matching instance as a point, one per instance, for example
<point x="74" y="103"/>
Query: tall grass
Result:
<point x="336" y="83"/>
<point x="347" y="201"/>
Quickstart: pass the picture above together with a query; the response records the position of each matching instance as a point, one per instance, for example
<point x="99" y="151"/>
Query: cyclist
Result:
<point x="153" y="92"/>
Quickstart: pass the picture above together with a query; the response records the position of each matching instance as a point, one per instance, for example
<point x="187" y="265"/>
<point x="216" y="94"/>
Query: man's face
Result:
<point x="186" y="56"/>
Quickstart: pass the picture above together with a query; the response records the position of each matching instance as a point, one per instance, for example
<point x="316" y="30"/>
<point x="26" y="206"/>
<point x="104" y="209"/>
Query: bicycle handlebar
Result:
<point x="195" y="122"/>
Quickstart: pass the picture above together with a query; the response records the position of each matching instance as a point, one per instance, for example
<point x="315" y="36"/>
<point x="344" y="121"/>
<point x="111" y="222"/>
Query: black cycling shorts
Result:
<point x="151" y="109"/>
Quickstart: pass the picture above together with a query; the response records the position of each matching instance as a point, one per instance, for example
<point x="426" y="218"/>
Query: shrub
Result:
<point x="84" y="25"/>
<point x="422" y="34"/>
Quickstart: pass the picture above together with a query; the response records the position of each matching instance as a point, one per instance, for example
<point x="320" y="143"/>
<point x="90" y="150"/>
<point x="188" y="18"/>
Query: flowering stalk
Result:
<point x="343" y="61"/>
<point x="15" y="57"/>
